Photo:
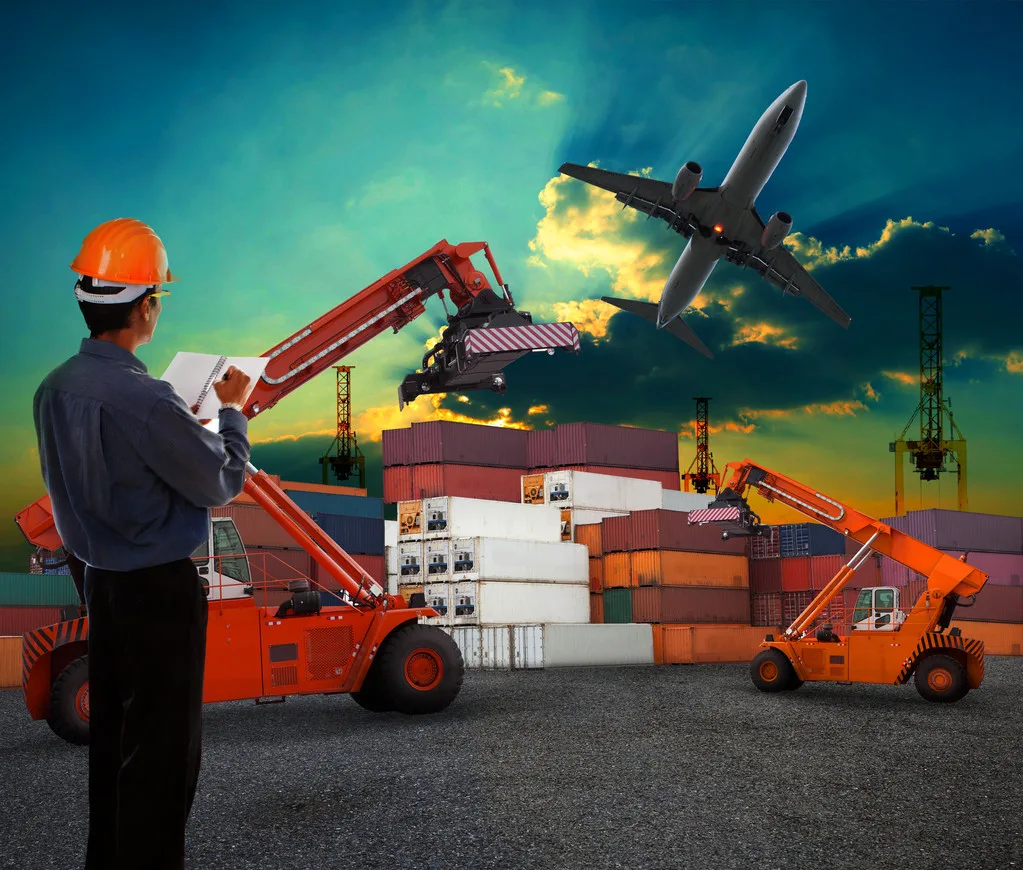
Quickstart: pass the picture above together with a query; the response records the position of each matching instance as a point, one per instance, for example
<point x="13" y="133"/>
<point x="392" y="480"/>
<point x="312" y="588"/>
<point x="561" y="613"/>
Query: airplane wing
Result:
<point x="648" y="195"/>
<point x="781" y="268"/>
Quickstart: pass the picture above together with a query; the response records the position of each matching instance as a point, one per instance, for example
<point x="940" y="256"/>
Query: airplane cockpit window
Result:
<point x="783" y="118"/>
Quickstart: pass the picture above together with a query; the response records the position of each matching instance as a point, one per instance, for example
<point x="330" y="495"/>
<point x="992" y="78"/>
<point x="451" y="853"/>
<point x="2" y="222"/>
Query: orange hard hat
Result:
<point x="126" y="251"/>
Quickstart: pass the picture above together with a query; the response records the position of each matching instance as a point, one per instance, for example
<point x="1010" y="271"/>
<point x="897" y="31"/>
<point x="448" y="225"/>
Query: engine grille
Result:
<point x="328" y="651"/>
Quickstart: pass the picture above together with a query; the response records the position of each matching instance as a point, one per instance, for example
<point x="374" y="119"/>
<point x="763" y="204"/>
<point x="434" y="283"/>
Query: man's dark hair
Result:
<point x="107" y="318"/>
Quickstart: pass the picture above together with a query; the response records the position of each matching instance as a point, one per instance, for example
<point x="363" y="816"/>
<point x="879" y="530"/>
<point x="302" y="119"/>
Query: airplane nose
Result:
<point x="798" y="90"/>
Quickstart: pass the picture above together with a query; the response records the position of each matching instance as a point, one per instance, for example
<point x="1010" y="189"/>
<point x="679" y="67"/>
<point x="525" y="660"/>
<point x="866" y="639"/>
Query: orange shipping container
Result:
<point x="999" y="638"/>
<point x="398" y="484"/>
<point x="674" y="568"/>
<point x="596" y="575"/>
<point x="617" y="570"/>
<point x="596" y="608"/>
<point x="706" y="644"/>
<point x="10" y="662"/>
<point x="589" y="534"/>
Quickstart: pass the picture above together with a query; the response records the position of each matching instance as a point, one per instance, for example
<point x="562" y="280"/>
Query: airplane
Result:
<point x="719" y="222"/>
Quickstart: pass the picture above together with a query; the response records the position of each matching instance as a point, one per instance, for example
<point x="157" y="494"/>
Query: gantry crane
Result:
<point x="930" y="452"/>
<point x="347" y="459"/>
<point x="706" y="473"/>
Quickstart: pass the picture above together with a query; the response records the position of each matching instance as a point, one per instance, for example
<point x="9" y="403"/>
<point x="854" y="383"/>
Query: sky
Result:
<point x="291" y="154"/>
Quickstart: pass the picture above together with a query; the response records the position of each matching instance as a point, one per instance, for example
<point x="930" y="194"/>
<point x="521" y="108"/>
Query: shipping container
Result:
<point x="795" y="574"/>
<point x="766" y="608"/>
<point x="667" y="479"/>
<point x="497" y="602"/>
<point x="597" y="574"/>
<point x="689" y="604"/>
<point x="596" y="607"/>
<point x="794" y="603"/>
<point x="301" y="486"/>
<point x="707" y="644"/>
<point x="398" y="484"/>
<point x="411" y="555"/>
<point x="441" y="441"/>
<point x="499" y="647"/>
<point x="278" y="565"/>
<point x="765" y="576"/>
<point x="676" y="500"/>
<point x="674" y="568"/>
<point x="338" y="505"/>
<point x="999" y="638"/>
<point x="601" y="444"/>
<point x="617" y="570"/>
<point x="37" y="590"/>
<point x="588" y="534"/>
<point x="353" y="534"/>
<point x="390" y="533"/>
<point x="541" y="448"/>
<point x="16" y="620"/>
<point x="396" y="448"/>
<point x="767" y="545"/>
<point x="256" y="527"/>
<point x="666" y="530"/>
<point x="437" y="559"/>
<point x="809" y="539"/>
<point x="410" y="520"/>
<point x="10" y="662"/>
<point x="993" y="603"/>
<point x="580" y="489"/>
<point x="824" y="568"/>
<point x="520" y="561"/>
<point x="572" y="518"/>
<point x="566" y="646"/>
<point x="617" y="606"/>
<point x="466" y="481"/>
<point x="1003" y="569"/>
<point x="439" y="597"/>
<point x="471" y="518"/>
<point x="962" y="530"/>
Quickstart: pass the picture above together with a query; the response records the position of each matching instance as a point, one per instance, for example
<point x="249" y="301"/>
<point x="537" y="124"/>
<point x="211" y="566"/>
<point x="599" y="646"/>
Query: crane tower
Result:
<point x="347" y="459"/>
<point x="706" y="473"/>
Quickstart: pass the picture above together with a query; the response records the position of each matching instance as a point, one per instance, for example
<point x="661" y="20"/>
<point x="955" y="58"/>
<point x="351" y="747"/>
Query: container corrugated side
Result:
<point x="673" y="644"/>
<point x="719" y="644"/>
<point x="767" y="545"/>
<point x="596" y="607"/>
<point x="508" y="647"/>
<point x="467" y="481"/>
<point x="541" y="448"/>
<point x="597" y="574"/>
<point x="396" y="447"/>
<point x="993" y="603"/>
<point x="513" y="603"/>
<point x="668" y="480"/>
<point x="567" y="646"/>
<point x="795" y="573"/>
<point x="16" y="620"/>
<point x="765" y="576"/>
<point x="572" y="518"/>
<point x="338" y="505"/>
<point x="353" y="534"/>
<point x="398" y="484"/>
<point x="689" y="604"/>
<point x="580" y="489"/>
<point x="256" y="527"/>
<point x="617" y="570"/>
<point x="1003" y="569"/>
<point x="677" y="500"/>
<point x="810" y="539"/>
<point x="766" y="609"/>
<point x="37" y="590"/>
<point x="603" y="444"/>
<point x="471" y="518"/>
<point x="667" y="530"/>
<point x="588" y="534"/>
<point x="10" y="662"/>
<point x="443" y="441"/>
<point x="675" y="568"/>
<point x="617" y="606"/>
<point x="999" y="639"/>
<point x="962" y="530"/>
<point x="519" y="561"/>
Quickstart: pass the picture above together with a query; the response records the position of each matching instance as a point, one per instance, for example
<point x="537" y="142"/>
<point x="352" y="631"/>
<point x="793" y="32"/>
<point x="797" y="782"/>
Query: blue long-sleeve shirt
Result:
<point x="130" y="471"/>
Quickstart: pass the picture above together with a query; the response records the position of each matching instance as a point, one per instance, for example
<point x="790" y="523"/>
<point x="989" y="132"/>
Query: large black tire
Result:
<point x="771" y="671"/>
<point x="941" y="679"/>
<point x="370" y="696"/>
<point x="419" y="670"/>
<point x="69" y="703"/>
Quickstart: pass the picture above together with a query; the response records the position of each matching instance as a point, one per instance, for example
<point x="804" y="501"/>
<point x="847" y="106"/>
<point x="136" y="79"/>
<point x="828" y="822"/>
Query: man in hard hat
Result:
<point x="131" y="475"/>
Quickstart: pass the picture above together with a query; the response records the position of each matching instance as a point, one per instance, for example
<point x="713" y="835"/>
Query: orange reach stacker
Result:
<point x="373" y="646"/>
<point x="883" y="644"/>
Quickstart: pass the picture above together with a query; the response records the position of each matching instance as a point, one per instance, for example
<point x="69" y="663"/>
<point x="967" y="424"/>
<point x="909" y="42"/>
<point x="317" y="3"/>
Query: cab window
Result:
<point x="862" y="607"/>
<point x="229" y="550"/>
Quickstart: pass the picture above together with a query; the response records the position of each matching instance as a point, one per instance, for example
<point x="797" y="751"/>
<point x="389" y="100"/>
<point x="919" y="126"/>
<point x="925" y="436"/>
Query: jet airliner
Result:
<point x="719" y="222"/>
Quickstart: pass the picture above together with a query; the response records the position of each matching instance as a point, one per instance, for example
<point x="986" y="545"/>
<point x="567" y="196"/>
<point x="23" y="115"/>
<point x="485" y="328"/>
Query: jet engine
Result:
<point x="685" y="182"/>
<point x="776" y="230"/>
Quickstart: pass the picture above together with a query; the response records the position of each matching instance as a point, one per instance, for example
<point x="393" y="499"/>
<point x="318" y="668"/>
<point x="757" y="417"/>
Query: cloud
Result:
<point x="1014" y="363"/>
<point x="537" y="409"/>
<point x="589" y="316"/>
<point x="370" y="423"/>
<point x="904" y="378"/>
<point x="546" y="98"/>
<point x="765" y="333"/>
<point x="511" y="85"/>
<point x="990" y="236"/>
<point x="509" y="88"/>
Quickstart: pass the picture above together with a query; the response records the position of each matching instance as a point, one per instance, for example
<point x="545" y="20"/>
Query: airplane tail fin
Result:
<point x="648" y="311"/>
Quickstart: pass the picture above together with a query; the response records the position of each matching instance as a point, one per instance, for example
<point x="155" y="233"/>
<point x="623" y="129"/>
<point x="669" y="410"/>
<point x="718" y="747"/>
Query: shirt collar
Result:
<point x="109" y="350"/>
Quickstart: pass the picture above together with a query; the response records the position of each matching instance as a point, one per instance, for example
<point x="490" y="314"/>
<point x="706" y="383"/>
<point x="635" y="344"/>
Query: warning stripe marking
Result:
<point x="536" y="336"/>
<point x="936" y="640"/>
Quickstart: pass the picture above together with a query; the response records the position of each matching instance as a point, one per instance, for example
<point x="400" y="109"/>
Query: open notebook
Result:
<point x="193" y="374"/>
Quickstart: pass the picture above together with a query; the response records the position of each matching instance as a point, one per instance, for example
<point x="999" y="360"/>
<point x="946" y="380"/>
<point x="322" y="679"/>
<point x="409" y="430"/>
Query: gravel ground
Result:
<point x="590" y="768"/>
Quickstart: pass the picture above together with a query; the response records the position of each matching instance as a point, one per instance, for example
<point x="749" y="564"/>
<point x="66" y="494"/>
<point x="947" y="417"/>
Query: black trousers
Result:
<point x="147" y="654"/>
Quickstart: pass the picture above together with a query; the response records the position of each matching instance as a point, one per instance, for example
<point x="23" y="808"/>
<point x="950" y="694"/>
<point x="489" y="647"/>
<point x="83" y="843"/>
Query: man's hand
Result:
<point x="234" y="387"/>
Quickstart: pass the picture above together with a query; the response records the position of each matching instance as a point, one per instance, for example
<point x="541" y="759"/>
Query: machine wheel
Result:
<point x="69" y="703"/>
<point x="773" y="672"/>
<point x="941" y="679"/>
<point x="419" y="669"/>
<point x="370" y="696"/>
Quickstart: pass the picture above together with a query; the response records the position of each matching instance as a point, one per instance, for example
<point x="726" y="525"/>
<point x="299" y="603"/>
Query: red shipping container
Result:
<point x="467" y="481"/>
<point x="398" y="484"/>
<point x="596" y="608"/>
<point x="794" y="603"/>
<point x="666" y="530"/>
<point x="823" y="569"/>
<point x="541" y="448"/>
<point x="256" y="527"/>
<point x="690" y="604"/>
<point x="994" y="603"/>
<point x="766" y="546"/>
<point x="766" y="609"/>
<point x="478" y="444"/>
<point x="602" y="444"/>
<point x="795" y="574"/>
<point x="765" y="576"/>
<point x="15" y="621"/>
<point x="396" y="447"/>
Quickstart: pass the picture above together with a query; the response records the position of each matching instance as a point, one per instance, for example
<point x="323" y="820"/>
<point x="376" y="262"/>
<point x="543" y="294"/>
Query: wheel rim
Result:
<point x="768" y="671"/>
<point x="82" y="702"/>
<point x="423" y="669"/>
<point x="940" y="679"/>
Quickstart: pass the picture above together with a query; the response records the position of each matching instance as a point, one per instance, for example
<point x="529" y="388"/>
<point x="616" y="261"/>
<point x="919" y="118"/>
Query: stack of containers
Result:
<point x="688" y="583"/>
<point x="992" y="543"/>
<point x="490" y="563"/>
<point x="28" y="601"/>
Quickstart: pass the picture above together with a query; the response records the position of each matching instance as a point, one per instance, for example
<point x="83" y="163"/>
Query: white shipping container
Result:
<point x="437" y="559"/>
<point x="410" y="560"/>
<point x="455" y="517"/>
<point x="677" y="500"/>
<point x="500" y="647"/>
<point x="583" y="489"/>
<point x="438" y="596"/>
<point x="391" y="561"/>
<point x="597" y="645"/>
<point x="390" y="533"/>
<point x="572" y="517"/>
<point x="521" y="561"/>
<point x="496" y="602"/>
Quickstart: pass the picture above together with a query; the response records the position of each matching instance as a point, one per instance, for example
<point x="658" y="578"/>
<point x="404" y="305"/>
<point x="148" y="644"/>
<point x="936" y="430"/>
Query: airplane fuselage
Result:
<point x="759" y="157"/>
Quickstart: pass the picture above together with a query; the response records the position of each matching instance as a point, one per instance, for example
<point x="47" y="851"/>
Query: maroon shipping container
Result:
<point x="962" y="530"/>
<point x="396" y="447"/>
<point x="666" y="530"/>
<point x="467" y="481"/>
<point x="273" y="564"/>
<point x="690" y="604"/>
<point x="765" y="576"/>
<point x="398" y="484"/>
<point x="1003" y="569"/>
<point x="766" y="610"/>
<point x="993" y="604"/>
<point x="541" y="449"/>
<point x="441" y="441"/>
<point x="256" y="527"/>
<point x="15" y="621"/>
<point x="766" y="546"/>
<point x="601" y="444"/>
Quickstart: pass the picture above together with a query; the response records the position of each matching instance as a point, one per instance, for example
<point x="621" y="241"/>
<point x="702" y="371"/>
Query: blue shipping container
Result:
<point x="338" y="505"/>
<point x="354" y="534"/>
<point x="332" y="599"/>
<point x="809" y="539"/>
